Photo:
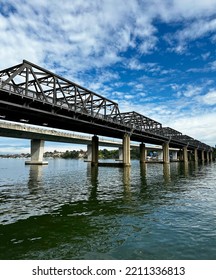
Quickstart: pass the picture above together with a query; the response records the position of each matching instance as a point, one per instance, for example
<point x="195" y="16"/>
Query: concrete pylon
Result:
<point x="94" y="160"/>
<point x="195" y="155"/>
<point x="126" y="150"/>
<point x="166" y="158"/>
<point x="142" y="153"/>
<point x="203" y="156"/>
<point x="185" y="154"/>
<point x="37" y="151"/>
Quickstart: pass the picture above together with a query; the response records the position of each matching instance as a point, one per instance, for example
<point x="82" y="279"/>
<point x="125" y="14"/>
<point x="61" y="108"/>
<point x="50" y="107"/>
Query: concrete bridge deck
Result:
<point x="23" y="131"/>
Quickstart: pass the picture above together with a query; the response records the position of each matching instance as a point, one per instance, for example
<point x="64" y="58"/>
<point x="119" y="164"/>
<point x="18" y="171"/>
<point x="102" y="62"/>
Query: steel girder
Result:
<point x="139" y="122"/>
<point x="31" y="81"/>
<point x="167" y="131"/>
<point x="176" y="135"/>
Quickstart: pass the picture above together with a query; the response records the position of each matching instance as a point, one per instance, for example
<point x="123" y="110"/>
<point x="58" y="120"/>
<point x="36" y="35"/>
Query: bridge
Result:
<point x="24" y="131"/>
<point x="31" y="94"/>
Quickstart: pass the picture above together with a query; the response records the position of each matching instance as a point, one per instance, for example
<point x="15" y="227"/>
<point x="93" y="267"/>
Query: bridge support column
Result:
<point x="120" y="153"/>
<point x="166" y="158"/>
<point x="37" y="150"/>
<point x="195" y="155"/>
<point x="203" y="156"/>
<point x="94" y="160"/>
<point x="126" y="150"/>
<point x="185" y="154"/>
<point x="142" y="153"/>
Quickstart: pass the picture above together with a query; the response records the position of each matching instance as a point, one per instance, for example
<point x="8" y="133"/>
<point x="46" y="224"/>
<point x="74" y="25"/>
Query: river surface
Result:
<point x="70" y="210"/>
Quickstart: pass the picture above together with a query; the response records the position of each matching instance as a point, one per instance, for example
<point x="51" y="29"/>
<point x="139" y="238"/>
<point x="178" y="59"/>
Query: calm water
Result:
<point x="68" y="210"/>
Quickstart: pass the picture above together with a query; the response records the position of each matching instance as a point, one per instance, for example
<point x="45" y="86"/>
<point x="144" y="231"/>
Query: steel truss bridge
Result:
<point x="34" y="95"/>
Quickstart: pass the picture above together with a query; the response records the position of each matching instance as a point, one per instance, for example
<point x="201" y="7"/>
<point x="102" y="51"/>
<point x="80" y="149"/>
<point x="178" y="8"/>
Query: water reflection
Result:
<point x="143" y="172"/>
<point x="127" y="182"/>
<point x="92" y="173"/>
<point x="166" y="173"/>
<point x="35" y="178"/>
<point x="186" y="169"/>
<point x="127" y="177"/>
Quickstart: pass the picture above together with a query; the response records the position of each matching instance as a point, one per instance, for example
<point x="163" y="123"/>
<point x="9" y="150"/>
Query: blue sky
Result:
<point x="154" y="57"/>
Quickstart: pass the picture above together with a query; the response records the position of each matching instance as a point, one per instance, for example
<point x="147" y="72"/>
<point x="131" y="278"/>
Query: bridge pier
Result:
<point x="195" y="155"/>
<point x="203" y="156"/>
<point x="142" y="153"/>
<point x="185" y="154"/>
<point x="94" y="159"/>
<point x="166" y="158"/>
<point x="126" y="150"/>
<point x="37" y="150"/>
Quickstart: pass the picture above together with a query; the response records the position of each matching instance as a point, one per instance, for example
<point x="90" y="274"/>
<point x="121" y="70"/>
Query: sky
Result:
<point x="155" y="57"/>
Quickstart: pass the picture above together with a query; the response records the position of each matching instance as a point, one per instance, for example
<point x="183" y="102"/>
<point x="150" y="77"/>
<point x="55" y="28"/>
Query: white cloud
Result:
<point x="205" y="55"/>
<point x="184" y="9"/>
<point x="200" y="127"/>
<point x="196" y="30"/>
<point x="88" y="34"/>
<point x="213" y="65"/>
<point x="190" y="91"/>
<point x="74" y="38"/>
<point x="210" y="98"/>
<point x="135" y="64"/>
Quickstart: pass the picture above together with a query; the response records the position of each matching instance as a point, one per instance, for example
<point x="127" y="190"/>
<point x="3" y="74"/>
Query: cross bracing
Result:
<point x="138" y="121"/>
<point x="167" y="131"/>
<point x="174" y="134"/>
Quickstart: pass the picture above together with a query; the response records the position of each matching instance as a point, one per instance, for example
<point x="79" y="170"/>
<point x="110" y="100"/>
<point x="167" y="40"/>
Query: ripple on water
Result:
<point x="68" y="210"/>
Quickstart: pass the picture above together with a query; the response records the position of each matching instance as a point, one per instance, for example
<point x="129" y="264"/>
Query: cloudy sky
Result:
<point x="151" y="56"/>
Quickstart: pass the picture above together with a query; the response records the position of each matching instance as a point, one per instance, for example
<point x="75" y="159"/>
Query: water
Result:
<point x="68" y="210"/>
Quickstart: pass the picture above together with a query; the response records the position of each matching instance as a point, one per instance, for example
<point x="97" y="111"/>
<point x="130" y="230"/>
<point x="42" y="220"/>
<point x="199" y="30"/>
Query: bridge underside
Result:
<point x="66" y="120"/>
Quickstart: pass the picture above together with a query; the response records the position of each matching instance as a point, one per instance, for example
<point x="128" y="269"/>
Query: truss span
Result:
<point x="30" y="93"/>
<point x="35" y="83"/>
<point x="176" y="135"/>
